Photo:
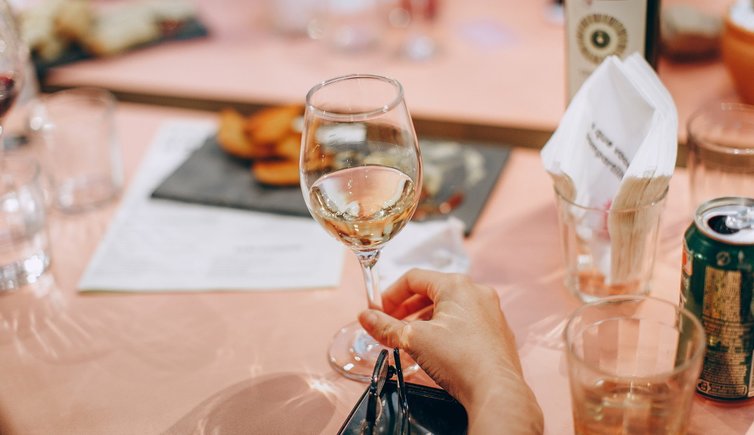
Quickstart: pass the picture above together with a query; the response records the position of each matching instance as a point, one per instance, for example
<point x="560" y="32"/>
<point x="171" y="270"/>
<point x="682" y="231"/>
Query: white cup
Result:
<point x="76" y="131"/>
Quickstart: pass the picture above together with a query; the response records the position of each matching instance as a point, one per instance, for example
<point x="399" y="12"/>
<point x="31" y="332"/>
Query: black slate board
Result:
<point x="211" y="177"/>
<point x="189" y="29"/>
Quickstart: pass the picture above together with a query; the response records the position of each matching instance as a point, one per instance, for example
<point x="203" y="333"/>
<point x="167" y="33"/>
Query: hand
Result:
<point x="466" y="346"/>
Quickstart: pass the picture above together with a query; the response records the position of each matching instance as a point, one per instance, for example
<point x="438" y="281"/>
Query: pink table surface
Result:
<point x="238" y="362"/>
<point x="501" y="64"/>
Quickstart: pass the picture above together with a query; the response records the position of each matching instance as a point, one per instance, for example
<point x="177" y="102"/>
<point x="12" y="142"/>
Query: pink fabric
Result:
<point x="253" y="64"/>
<point x="255" y="362"/>
<point x="501" y="63"/>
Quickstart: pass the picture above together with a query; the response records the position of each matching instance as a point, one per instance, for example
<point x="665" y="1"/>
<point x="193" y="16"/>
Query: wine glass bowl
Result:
<point x="363" y="207"/>
<point x="361" y="176"/>
<point x="13" y="56"/>
<point x="12" y="59"/>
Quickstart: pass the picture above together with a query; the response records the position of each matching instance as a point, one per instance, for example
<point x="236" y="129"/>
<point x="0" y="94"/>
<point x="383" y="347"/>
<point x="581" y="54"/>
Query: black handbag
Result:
<point x="392" y="406"/>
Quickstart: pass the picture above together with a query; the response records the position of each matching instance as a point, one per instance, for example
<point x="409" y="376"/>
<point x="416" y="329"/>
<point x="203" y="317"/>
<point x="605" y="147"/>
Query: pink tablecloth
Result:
<point x="255" y="362"/>
<point x="501" y="63"/>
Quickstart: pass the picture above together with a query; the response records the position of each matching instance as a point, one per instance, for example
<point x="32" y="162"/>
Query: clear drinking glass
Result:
<point x="420" y="43"/>
<point x="720" y="141"/>
<point x="24" y="245"/>
<point x="611" y="251"/>
<point x="76" y="130"/>
<point x="361" y="176"/>
<point x="633" y="365"/>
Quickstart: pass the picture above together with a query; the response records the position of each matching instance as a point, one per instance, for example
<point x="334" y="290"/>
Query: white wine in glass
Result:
<point x="361" y="177"/>
<point x="13" y="57"/>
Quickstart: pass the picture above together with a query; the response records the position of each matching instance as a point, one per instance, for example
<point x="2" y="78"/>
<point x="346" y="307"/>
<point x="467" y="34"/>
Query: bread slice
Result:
<point x="231" y="136"/>
<point x="276" y="172"/>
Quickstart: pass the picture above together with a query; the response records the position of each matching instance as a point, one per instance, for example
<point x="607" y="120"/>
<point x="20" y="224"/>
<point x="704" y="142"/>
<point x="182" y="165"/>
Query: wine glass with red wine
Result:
<point x="361" y="176"/>
<point x="12" y="62"/>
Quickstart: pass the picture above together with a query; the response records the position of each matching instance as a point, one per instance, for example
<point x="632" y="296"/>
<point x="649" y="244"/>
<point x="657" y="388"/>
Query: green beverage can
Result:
<point x="717" y="284"/>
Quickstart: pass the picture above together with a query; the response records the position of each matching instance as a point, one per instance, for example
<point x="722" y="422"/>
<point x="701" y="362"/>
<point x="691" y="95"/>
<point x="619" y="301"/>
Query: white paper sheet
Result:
<point x="159" y="245"/>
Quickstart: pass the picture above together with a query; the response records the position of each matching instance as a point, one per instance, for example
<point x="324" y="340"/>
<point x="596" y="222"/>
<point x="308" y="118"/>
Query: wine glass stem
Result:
<point x="368" y="261"/>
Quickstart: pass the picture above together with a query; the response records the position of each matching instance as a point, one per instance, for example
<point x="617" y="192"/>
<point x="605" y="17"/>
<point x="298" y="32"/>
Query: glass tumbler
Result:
<point x="633" y="365"/>
<point x="721" y="153"/>
<point x="609" y="251"/>
<point x="24" y="245"/>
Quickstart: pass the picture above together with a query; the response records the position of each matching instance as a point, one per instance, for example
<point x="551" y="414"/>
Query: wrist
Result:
<point x="504" y="401"/>
<point x="494" y="388"/>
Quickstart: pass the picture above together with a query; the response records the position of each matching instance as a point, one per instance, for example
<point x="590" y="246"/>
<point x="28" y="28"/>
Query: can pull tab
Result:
<point x="742" y="220"/>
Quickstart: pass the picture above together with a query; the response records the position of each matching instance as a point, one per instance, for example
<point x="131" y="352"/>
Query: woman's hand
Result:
<point x="466" y="346"/>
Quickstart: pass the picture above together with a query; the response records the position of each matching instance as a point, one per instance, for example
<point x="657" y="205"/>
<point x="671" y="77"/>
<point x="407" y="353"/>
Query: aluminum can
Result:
<point x="717" y="284"/>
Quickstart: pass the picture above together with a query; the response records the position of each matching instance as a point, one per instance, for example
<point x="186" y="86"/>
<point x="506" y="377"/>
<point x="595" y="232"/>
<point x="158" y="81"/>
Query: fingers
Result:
<point x="384" y="328"/>
<point x="411" y="306"/>
<point x="414" y="282"/>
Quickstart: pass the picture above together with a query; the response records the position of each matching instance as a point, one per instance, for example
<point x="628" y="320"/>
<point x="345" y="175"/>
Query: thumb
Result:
<point x="384" y="328"/>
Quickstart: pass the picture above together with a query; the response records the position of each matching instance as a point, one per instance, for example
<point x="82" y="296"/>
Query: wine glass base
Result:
<point x="353" y="354"/>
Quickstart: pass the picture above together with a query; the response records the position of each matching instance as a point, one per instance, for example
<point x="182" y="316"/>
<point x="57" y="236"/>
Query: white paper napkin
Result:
<point x="436" y="245"/>
<point x="615" y="148"/>
<point x="621" y="125"/>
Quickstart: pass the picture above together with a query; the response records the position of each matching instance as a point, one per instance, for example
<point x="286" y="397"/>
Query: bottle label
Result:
<point x="596" y="29"/>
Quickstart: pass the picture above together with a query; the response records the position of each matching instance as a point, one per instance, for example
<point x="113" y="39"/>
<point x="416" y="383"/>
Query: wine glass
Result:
<point x="13" y="56"/>
<point x="361" y="175"/>
<point x="420" y="43"/>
